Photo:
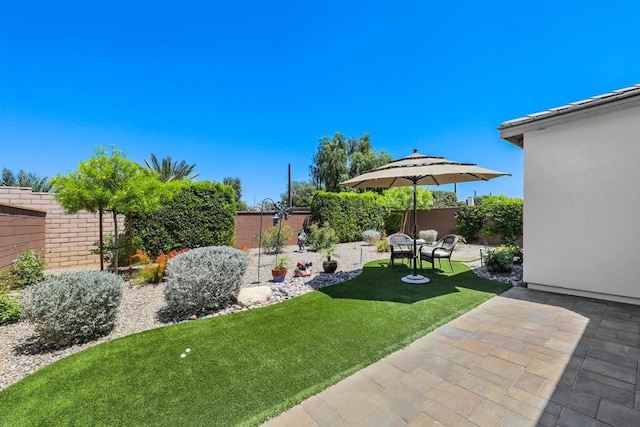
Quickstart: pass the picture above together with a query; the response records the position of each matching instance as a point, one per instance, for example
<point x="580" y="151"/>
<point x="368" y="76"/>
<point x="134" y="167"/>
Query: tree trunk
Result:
<point x="101" y="241"/>
<point x="130" y="246"/>
<point x="115" y="240"/>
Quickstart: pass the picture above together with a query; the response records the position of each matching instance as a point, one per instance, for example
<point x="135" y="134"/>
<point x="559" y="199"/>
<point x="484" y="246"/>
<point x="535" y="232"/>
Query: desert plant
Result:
<point x="27" y="269"/>
<point x="73" y="307"/>
<point x="428" y="236"/>
<point x="154" y="272"/>
<point x="322" y="238"/>
<point x="9" y="308"/>
<point x="274" y="238"/>
<point x="370" y="236"/>
<point x="282" y="263"/>
<point x="204" y="279"/>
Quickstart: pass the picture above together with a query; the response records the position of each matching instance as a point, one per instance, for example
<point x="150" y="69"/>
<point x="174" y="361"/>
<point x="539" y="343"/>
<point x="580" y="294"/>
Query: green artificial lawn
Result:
<point x="245" y="367"/>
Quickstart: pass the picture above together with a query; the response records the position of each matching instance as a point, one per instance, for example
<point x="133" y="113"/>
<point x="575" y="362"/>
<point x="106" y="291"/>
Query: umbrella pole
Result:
<point x="415" y="231"/>
<point x="413" y="278"/>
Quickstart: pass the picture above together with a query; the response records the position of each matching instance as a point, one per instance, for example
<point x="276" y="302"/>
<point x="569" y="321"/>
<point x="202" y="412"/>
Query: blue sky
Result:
<point x="244" y="88"/>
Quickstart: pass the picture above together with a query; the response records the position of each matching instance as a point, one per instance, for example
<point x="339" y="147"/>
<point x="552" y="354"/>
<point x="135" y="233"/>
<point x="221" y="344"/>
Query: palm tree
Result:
<point x="170" y="170"/>
<point x="37" y="183"/>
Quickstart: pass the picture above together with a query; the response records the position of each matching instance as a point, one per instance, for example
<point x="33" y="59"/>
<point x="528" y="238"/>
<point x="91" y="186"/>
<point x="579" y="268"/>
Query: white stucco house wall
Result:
<point x="582" y="196"/>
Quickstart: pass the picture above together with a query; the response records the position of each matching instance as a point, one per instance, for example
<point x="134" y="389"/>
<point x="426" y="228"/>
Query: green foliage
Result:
<point x="506" y="215"/>
<point x="401" y="198"/>
<point x="27" y="270"/>
<point x="236" y="184"/>
<point x="301" y="193"/>
<point x="470" y="221"/>
<point x="110" y="183"/>
<point x="169" y="170"/>
<point x="73" y="307"/>
<point x="10" y="310"/>
<point x="444" y="199"/>
<point x="282" y="263"/>
<point x="200" y="214"/>
<point x="499" y="260"/>
<point x="338" y="159"/>
<point x="507" y="219"/>
<point x="392" y="221"/>
<point x="349" y="214"/>
<point x="204" y="279"/>
<point x="322" y="238"/>
<point x="274" y="238"/>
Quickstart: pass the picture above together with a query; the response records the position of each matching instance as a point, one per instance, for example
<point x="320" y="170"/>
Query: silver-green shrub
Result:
<point x="204" y="279"/>
<point x="428" y="236"/>
<point x="370" y="236"/>
<point x="73" y="307"/>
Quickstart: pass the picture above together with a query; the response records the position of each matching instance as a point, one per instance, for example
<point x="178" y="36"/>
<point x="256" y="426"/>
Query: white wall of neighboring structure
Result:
<point x="580" y="178"/>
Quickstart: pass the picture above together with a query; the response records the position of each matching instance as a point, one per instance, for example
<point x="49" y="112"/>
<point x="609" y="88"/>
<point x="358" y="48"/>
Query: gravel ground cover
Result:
<point x="21" y="354"/>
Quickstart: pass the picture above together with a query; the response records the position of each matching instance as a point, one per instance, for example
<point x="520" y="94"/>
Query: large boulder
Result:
<point x="253" y="295"/>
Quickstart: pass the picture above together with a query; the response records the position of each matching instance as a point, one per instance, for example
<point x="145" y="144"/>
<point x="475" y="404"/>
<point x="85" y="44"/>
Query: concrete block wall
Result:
<point x="20" y="230"/>
<point x="68" y="238"/>
<point x="248" y="225"/>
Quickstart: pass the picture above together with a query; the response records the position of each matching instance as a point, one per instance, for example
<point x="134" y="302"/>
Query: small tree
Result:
<point x="110" y="183"/>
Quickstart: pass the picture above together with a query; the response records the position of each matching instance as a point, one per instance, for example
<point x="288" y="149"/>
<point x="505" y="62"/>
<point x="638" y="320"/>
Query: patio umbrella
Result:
<point x="418" y="169"/>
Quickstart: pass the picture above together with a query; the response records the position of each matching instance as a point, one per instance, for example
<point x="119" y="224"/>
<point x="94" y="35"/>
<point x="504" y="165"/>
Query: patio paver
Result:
<point x="522" y="358"/>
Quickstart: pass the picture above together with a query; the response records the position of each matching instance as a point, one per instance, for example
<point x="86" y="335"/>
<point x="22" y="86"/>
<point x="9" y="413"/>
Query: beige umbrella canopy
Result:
<point x="418" y="169"/>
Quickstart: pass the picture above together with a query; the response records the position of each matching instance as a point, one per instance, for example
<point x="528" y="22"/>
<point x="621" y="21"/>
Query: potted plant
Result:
<point x="324" y="240"/>
<point x="330" y="265"/>
<point x="279" y="270"/>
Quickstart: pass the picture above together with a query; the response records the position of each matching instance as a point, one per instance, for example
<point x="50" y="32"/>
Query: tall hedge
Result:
<point x="201" y="214"/>
<point x="349" y="214"/>
<point x="502" y="217"/>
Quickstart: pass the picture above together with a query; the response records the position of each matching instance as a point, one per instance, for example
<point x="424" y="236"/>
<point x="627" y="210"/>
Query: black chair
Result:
<point x="441" y="250"/>
<point x="400" y="251"/>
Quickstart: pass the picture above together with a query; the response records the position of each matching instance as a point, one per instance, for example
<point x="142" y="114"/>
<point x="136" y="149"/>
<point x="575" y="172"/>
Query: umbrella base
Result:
<point x="415" y="280"/>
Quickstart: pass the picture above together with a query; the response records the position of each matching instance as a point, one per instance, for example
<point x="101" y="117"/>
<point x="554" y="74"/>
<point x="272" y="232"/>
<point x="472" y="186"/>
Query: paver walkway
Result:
<point x="520" y="359"/>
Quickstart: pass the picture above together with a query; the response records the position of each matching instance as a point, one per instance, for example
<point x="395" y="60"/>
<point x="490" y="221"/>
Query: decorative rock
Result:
<point x="253" y="295"/>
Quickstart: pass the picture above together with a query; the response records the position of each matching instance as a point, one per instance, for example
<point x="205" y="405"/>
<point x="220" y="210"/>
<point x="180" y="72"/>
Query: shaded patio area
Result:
<point x="523" y="358"/>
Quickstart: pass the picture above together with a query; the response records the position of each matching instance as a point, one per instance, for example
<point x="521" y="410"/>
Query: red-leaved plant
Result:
<point x="155" y="271"/>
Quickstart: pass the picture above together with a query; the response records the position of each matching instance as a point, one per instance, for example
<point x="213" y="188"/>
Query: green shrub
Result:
<point x="470" y="221"/>
<point x="274" y="238"/>
<point x="73" y="307"/>
<point x="27" y="270"/>
<point x="501" y="259"/>
<point x="204" y="279"/>
<point x="507" y="219"/>
<point x="444" y="199"/>
<point x="9" y="308"/>
<point x="349" y="214"/>
<point x="201" y="214"/>
<point x="322" y="238"/>
<point x="392" y="221"/>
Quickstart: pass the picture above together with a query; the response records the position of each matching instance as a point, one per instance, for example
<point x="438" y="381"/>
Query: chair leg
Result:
<point x="451" y="264"/>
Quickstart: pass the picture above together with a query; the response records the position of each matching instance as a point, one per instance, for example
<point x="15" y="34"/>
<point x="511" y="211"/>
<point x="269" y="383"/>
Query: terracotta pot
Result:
<point x="278" y="275"/>
<point x="329" y="266"/>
